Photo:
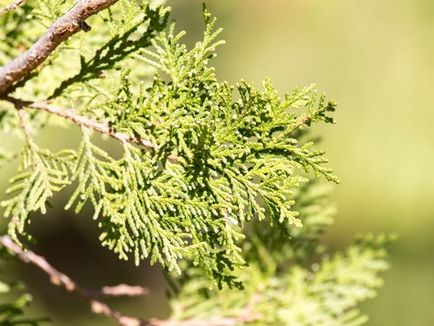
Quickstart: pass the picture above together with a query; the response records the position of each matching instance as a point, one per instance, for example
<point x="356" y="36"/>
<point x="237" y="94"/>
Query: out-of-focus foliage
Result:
<point x="13" y="302"/>
<point x="279" y="289"/>
<point x="325" y="295"/>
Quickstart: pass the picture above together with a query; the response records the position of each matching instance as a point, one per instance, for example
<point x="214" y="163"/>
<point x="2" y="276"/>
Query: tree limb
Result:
<point x="98" y="307"/>
<point x="84" y="121"/>
<point x="72" y="22"/>
<point x="64" y="281"/>
<point x="14" y="5"/>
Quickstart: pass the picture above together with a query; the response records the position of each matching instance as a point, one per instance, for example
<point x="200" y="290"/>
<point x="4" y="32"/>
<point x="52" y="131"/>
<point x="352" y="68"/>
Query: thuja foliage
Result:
<point x="14" y="300"/>
<point x="289" y="280"/>
<point x="13" y="312"/>
<point x="219" y="184"/>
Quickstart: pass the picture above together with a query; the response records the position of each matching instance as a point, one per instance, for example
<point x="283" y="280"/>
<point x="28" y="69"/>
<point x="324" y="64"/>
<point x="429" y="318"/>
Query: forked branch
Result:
<point x="98" y="307"/>
<point x="83" y="121"/>
<point x="69" y="24"/>
<point x="64" y="281"/>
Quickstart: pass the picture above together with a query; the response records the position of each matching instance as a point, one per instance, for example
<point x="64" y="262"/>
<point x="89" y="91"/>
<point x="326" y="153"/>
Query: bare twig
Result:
<point x="66" y="26"/>
<point x="124" y="290"/>
<point x="22" y="116"/>
<point x="14" y="5"/>
<point x="98" y="307"/>
<point x="84" y="121"/>
<point x="64" y="281"/>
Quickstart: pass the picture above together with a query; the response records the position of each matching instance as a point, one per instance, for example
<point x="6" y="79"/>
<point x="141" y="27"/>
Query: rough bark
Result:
<point x="69" y="24"/>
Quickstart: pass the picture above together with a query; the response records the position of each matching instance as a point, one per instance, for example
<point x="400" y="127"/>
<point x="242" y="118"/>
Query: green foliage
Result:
<point x="11" y="313"/>
<point x="217" y="181"/>
<point x="118" y="48"/>
<point x="279" y="243"/>
<point x="289" y="280"/>
<point x="14" y="35"/>
<point x="14" y="301"/>
<point x="4" y="155"/>
<point x="41" y="175"/>
<point x="190" y="196"/>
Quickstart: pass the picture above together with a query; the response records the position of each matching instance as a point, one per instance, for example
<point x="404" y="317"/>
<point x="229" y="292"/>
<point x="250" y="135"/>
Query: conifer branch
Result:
<point x="69" y="24"/>
<point x="83" y="121"/>
<point x="14" y="5"/>
<point x="60" y="279"/>
<point x="98" y="307"/>
<point x="73" y="116"/>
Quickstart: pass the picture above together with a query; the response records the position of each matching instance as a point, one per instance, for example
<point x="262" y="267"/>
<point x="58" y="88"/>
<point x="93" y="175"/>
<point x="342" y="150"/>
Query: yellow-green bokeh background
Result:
<point x="376" y="59"/>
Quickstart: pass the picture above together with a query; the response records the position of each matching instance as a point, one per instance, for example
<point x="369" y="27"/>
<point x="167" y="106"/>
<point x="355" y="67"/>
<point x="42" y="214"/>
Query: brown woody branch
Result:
<point x="98" y="307"/>
<point x="82" y="121"/>
<point x="85" y="122"/>
<point x="64" y="281"/>
<point x="69" y="24"/>
<point x="14" y="5"/>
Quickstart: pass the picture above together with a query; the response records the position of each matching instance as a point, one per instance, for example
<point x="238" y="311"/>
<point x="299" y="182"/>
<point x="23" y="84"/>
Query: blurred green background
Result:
<point x="376" y="59"/>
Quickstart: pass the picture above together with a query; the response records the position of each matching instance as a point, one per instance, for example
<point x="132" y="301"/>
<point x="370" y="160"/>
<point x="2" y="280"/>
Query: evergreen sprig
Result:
<point x="15" y="300"/>
<point x="41" y="175"/>
<point x="325" y="294"/>
<point x="111" y="54"/>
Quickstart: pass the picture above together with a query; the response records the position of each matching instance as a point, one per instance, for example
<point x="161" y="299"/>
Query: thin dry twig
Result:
<point x="11" y="7"/>
<point x="85" y="122"/>
<point x="66" y="26"/>
<point x="64" y="281"/>
<point x="22" y="117"/>
<point x="98" y="307"/>
<point x="124" y="290"/>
